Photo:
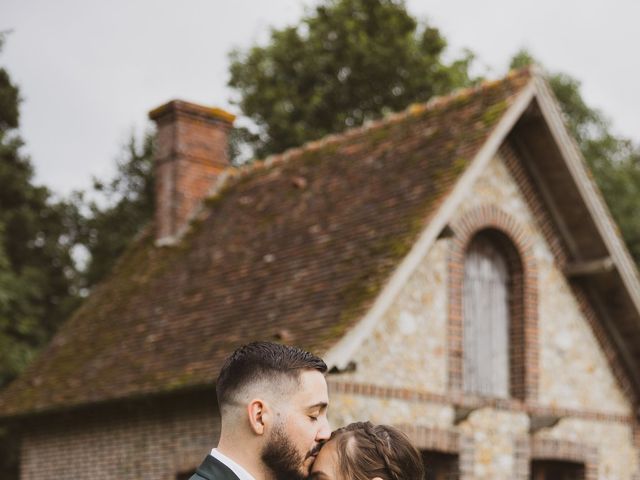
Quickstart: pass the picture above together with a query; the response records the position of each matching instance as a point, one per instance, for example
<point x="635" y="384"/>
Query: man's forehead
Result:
<point x="312" y="389"/>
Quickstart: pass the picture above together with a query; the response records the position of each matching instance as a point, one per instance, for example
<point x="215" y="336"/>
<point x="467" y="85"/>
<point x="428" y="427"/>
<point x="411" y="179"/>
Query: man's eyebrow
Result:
<point x="319" y="405"/>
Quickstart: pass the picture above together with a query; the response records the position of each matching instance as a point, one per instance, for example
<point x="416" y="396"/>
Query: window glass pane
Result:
<point x="486" y="319"/>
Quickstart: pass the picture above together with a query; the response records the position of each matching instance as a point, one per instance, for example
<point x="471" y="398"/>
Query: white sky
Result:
<point x="90" y="70"/>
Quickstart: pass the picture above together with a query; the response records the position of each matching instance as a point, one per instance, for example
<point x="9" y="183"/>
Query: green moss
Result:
<point x="461" y="99"/>
<point x="442" y="176"/>
<point x="174" y="382"/>
<point x="358" y="295"/>
<point x="494" y="112"/>
<point x="231" y="185"/>
<point x="214" y="200"/>
<point x="311" y="156"/>
<point x="378" y="135"/>
<point x="331" y="148"/>
<point x="459" y="165"/>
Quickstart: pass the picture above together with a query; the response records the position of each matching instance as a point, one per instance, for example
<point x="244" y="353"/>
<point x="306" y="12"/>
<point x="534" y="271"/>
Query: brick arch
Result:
<point x="447" y="440"/>
<point x="561" y="450"/>
<point x="523" y="330"/>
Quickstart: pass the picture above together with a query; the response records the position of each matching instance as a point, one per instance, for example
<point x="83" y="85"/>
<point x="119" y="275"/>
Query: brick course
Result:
<point x="154" y="440"/>
<point x="562" y="450"/>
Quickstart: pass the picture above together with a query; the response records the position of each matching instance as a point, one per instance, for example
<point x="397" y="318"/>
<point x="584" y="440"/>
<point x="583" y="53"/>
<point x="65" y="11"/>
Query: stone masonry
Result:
<point x="407" y="356"/>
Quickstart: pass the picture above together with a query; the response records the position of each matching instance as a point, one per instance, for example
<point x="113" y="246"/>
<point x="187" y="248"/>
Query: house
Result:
<point x="454" y="264"/>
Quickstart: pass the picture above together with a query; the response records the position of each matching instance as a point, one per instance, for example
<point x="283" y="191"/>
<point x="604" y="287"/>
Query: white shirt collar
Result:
<point x="240" y="472"/>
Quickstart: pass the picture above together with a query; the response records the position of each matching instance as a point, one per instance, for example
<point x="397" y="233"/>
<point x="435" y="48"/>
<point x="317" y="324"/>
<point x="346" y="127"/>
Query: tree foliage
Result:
<point x="39" y="279"/>
<point x="37" y="272"/>
<point x="346" y="62"/>
<point x="125" y="205"/>
<point x="614" y="160"/>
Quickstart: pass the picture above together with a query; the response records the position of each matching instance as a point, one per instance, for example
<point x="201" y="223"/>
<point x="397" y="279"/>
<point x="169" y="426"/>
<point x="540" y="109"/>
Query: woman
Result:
<point x="363" y="451"/>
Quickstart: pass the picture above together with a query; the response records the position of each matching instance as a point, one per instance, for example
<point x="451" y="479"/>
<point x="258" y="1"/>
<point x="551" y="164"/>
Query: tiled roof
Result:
<point x="295" y="247"/>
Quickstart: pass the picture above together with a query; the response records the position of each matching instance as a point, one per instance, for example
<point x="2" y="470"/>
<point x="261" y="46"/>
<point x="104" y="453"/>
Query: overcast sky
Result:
<point x="89" y="70"/>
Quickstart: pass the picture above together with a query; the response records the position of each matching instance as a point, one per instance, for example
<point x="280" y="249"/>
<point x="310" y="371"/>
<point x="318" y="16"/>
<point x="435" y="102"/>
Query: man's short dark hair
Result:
<point x="260" y="361"/>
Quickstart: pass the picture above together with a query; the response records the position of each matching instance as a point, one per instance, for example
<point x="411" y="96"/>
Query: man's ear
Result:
<point x="259" y="415"/>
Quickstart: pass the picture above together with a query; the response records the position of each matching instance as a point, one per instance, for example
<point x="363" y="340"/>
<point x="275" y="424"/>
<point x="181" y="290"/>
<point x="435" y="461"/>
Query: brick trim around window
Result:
<point x="523" y="330"/>
<point x="442" y="440"/>
<point x="560" y="450"/>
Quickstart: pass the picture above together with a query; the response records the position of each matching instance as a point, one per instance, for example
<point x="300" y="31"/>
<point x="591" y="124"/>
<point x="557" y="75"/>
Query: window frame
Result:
<point x="523" y="329"/>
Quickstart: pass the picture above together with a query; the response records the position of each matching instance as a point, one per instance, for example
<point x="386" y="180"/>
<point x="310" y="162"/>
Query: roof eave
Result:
<point x="599" y="211"/>
<point x="624" y="266"/>
<point x="59" y="409"/>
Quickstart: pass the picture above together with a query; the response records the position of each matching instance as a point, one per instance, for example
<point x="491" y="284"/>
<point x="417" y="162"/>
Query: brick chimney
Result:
<point x="191" y="152"/>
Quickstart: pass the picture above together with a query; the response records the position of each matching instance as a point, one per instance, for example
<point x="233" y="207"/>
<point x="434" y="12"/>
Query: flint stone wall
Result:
<point x="408" y="350"/>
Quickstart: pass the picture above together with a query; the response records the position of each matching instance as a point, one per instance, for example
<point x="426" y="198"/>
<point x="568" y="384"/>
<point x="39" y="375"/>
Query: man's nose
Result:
<point x="325" y="430"/>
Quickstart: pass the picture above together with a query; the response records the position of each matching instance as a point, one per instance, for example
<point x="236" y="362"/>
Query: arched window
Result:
<point x="486" y="318"/>
<point x="493" y="307"/>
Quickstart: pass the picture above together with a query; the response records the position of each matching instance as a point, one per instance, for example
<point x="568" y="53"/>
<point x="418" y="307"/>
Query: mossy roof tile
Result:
<point x="301" y="243"/>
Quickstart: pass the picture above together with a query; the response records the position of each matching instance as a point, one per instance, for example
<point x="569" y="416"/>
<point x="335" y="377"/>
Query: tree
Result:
<point x="614" y="161"/>
<point x="347" y="62"/>
<point x="126" y="204"/>
<point x="37" y="272"/>
<point x="40" y="284"/>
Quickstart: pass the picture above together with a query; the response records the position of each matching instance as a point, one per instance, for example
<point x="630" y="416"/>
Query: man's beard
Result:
<point x="282" y="458"/>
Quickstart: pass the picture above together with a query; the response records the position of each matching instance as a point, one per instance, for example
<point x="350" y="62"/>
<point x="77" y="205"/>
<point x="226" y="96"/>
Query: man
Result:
<point x="273" y="402"/>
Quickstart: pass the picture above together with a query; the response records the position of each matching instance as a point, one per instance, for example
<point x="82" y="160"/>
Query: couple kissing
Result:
<point x="273" y="401"/>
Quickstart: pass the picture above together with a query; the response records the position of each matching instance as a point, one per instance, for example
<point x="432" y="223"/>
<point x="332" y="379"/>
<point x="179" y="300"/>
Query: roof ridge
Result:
<point x="413" y="109"/>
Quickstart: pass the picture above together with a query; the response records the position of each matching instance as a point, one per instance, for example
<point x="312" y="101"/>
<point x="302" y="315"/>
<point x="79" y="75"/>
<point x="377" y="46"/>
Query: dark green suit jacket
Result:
<point x="213" y="469"/>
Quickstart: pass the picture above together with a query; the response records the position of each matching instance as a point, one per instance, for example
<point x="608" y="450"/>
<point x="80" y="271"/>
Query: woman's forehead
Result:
<point x="325" y="465"/>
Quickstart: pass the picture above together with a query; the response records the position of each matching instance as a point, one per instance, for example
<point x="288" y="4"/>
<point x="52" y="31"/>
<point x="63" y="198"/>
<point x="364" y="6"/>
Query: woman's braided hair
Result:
<point x="366" y="451"/>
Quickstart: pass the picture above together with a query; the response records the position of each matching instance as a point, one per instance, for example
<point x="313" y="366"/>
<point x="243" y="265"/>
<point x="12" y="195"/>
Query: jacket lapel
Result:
<point x="214" y="469"/>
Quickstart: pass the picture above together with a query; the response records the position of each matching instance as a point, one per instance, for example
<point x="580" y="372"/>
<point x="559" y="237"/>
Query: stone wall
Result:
<point x="408" y="348"/>
<point x="407" y="356"/>
<point x="565" y="336"/>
